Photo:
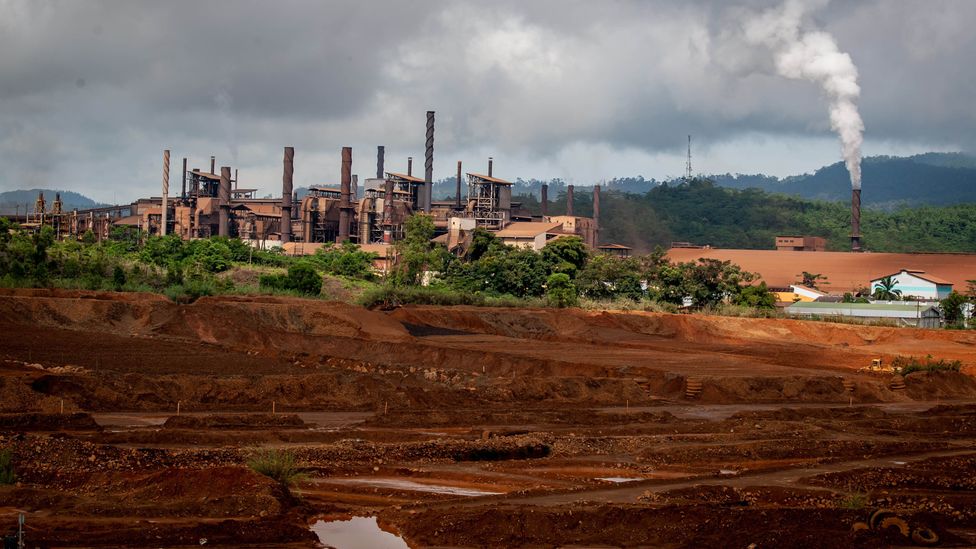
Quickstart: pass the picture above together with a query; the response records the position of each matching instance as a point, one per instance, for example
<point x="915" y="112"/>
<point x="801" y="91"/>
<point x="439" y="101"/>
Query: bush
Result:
<point x="560" y="291"/>
<point x="278" y="465"/>
<point x="855" y="500"/>
<point x="389" y="296"/>
<point x="7" y="475"/>
<point x="302" y="278"/>
<point x="911" y="365"/>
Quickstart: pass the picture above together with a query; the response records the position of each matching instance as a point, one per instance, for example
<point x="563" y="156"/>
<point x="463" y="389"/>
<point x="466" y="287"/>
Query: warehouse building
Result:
<point x="902" y="313"/>
<point x="917" y="284"/>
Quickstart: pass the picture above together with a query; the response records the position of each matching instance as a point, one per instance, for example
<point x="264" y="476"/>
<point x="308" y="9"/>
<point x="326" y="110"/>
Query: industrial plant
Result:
<point x="210" y="203"/>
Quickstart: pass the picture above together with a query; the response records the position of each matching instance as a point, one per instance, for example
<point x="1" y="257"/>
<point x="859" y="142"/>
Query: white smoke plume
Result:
<point x="814" y="56"/>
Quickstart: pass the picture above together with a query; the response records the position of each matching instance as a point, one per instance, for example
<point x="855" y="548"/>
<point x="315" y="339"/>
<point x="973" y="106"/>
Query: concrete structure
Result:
<point x="917" y="284"/>
<point x="529" y="235"/>
<point x="796" y="293"/>
<point x="801" y="244"/>
<point x="902" y="313"/>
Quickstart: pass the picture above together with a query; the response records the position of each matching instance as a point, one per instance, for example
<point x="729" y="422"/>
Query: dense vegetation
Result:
<point x="702" y="212"/>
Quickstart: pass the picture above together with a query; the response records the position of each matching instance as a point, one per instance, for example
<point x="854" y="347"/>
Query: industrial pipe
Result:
<point x="856" y="220"/>
<point x="491" y="162"/>
<point x="380" y="154"/>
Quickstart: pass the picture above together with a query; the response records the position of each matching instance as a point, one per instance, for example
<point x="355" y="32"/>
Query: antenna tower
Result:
<point x="688" y="164"/>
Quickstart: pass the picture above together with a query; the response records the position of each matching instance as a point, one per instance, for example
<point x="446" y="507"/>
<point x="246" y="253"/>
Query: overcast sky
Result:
<point x="91" y="92"/>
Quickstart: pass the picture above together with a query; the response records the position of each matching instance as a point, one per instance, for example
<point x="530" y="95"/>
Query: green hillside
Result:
<point x="702" y="212"/>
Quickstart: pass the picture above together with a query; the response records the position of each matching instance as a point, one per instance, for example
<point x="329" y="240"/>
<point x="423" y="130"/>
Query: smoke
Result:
<point x="225" y="105"/>
<point x="814" y="56"/>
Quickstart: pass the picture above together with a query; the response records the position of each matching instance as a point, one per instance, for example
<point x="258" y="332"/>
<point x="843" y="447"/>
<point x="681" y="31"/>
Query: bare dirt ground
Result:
<point x="131" y="419"/>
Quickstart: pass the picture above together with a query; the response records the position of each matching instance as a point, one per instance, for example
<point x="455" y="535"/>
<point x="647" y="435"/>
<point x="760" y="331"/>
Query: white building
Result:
<point x="917" y="284"/>
<point x="902" y="313"/>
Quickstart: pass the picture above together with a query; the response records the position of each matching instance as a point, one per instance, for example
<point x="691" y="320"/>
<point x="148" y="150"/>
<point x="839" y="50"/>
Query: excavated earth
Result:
<point x="131" y="421"/>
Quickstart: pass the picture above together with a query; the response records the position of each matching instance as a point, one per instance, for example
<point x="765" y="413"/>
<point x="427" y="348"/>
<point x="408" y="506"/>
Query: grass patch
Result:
<point x="911" y="365"/>
<point x="278" y="465"/>
<point x="854" y="500"/>
<point x="7" y="475"/>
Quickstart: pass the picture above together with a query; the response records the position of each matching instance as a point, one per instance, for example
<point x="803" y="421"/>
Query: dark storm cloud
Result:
<point x="88" y="86"/>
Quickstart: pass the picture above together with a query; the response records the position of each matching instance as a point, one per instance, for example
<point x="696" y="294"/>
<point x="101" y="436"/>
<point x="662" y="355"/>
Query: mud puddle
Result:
<point x="411" y="486"/>
<point x="356" y="533"/>
<point x="619" y="480"/>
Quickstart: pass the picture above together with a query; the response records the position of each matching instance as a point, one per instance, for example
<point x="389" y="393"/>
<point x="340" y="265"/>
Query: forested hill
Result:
<point x="14" y="201"/>
<point x="889" y="182"/>
<point x="704" y="213"/>
<point x="931" y="178"/>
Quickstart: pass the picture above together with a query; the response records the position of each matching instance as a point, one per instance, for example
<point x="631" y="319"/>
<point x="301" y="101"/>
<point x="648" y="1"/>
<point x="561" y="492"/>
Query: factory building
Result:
<point x="916" y="284"/>
<point x="210" y="203"/>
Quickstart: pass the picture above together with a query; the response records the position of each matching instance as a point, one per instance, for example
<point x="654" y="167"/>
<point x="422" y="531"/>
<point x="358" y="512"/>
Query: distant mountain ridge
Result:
<point x="937" y="179"/>
<point x="12" y="202"/>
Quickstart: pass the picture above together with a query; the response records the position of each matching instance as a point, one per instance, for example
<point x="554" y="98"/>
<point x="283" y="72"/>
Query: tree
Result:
<point x="886" y="291"/>
<point x="416" y="253"/>
<point x="606" y="276"/>
<point x="565" y="255"/>
<point x="812" y="280"/>
<point x="303" y="278"/>
<point x="710" y="281"/>
<point x="347" y="260"/>
<point x="756" y="296"/>
<point x="560" y="291"/>
<point x="952" y="308"/>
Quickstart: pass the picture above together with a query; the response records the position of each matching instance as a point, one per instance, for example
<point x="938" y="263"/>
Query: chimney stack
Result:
<point x="286" y="190"/>
<point x="162" y="228"/>
<point x="235" y="179"/>
<point x="380" y="154"/>
<point x="457" y="189"/>
<point x="223" y="200"/>
<point x="354" y="194"/>
<point x="410" y="166"/>
<point x="344" y="205"/>
<point x="388" y="211"/>
<point x="429" y="163"/>
<point x="491" y="162"/>
<point x="184" y="179"/>
<point x="569" y="200"/>
<point x="545" y="200"/>
<point x="856" y="220"/>
<point x="213" y="165"/>
<point x="596" y="216"/>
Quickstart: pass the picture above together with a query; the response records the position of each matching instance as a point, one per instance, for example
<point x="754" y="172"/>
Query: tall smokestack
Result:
<point x="491" y="162"/>
<point x="380" y="154"/>
<point x="596" y="215"/>
<point x="286" y="190"/>
<point x="388" y="212"/>
<point x="354" y="195"/>
<point x="183" y="195"/>
<point x="213" y="165"/>
<point x="545" y="200"/>
<point x="457" y="188"/>
<point x="344" y="204"/>
<point x="162" y="229"/>
<point x="410" y="165"/>
<point x="569" y="200"/>
<point x="429" y="162"/>
<point x="235" y="179"/>
<point x="223" y="200"/>
<point x="856" y="220"/>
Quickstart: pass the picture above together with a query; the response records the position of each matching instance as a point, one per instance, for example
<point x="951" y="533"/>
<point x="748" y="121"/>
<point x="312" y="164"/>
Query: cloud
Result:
<point x="91" y="92"/>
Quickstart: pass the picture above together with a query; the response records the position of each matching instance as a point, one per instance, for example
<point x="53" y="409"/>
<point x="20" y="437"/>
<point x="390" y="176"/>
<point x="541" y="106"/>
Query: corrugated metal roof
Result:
<point x="886" y="310"/>
<point x="490" y="179"/>
<point x="526" y="229"/>
<point x="918" y="274"/>
<point x="207" y="175"/>
<point x="405" y="177"/>
<point x="614" y="247"/>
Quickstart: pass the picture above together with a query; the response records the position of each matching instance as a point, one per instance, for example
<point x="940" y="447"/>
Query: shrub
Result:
<point x="7" y="475"/>
<point x="560" y="291"/>
<point x="302" y="278"/>
<point x="389" y="296"/>
<point x="278" y="465"/>
<point x="855" y="500"/>
<point x="911" y="365"/>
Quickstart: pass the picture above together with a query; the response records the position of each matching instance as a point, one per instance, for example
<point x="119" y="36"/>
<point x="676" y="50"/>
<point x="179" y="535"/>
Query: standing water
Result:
<point x="356" y="533"/>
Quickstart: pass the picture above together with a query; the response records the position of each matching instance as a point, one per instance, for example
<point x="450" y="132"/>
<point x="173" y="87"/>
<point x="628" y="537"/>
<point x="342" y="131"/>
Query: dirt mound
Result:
<point x="77" y="421"/>
<point x="235" y="421"/>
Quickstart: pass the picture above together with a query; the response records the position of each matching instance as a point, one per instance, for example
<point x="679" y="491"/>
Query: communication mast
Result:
<point x="688" y="164"/>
